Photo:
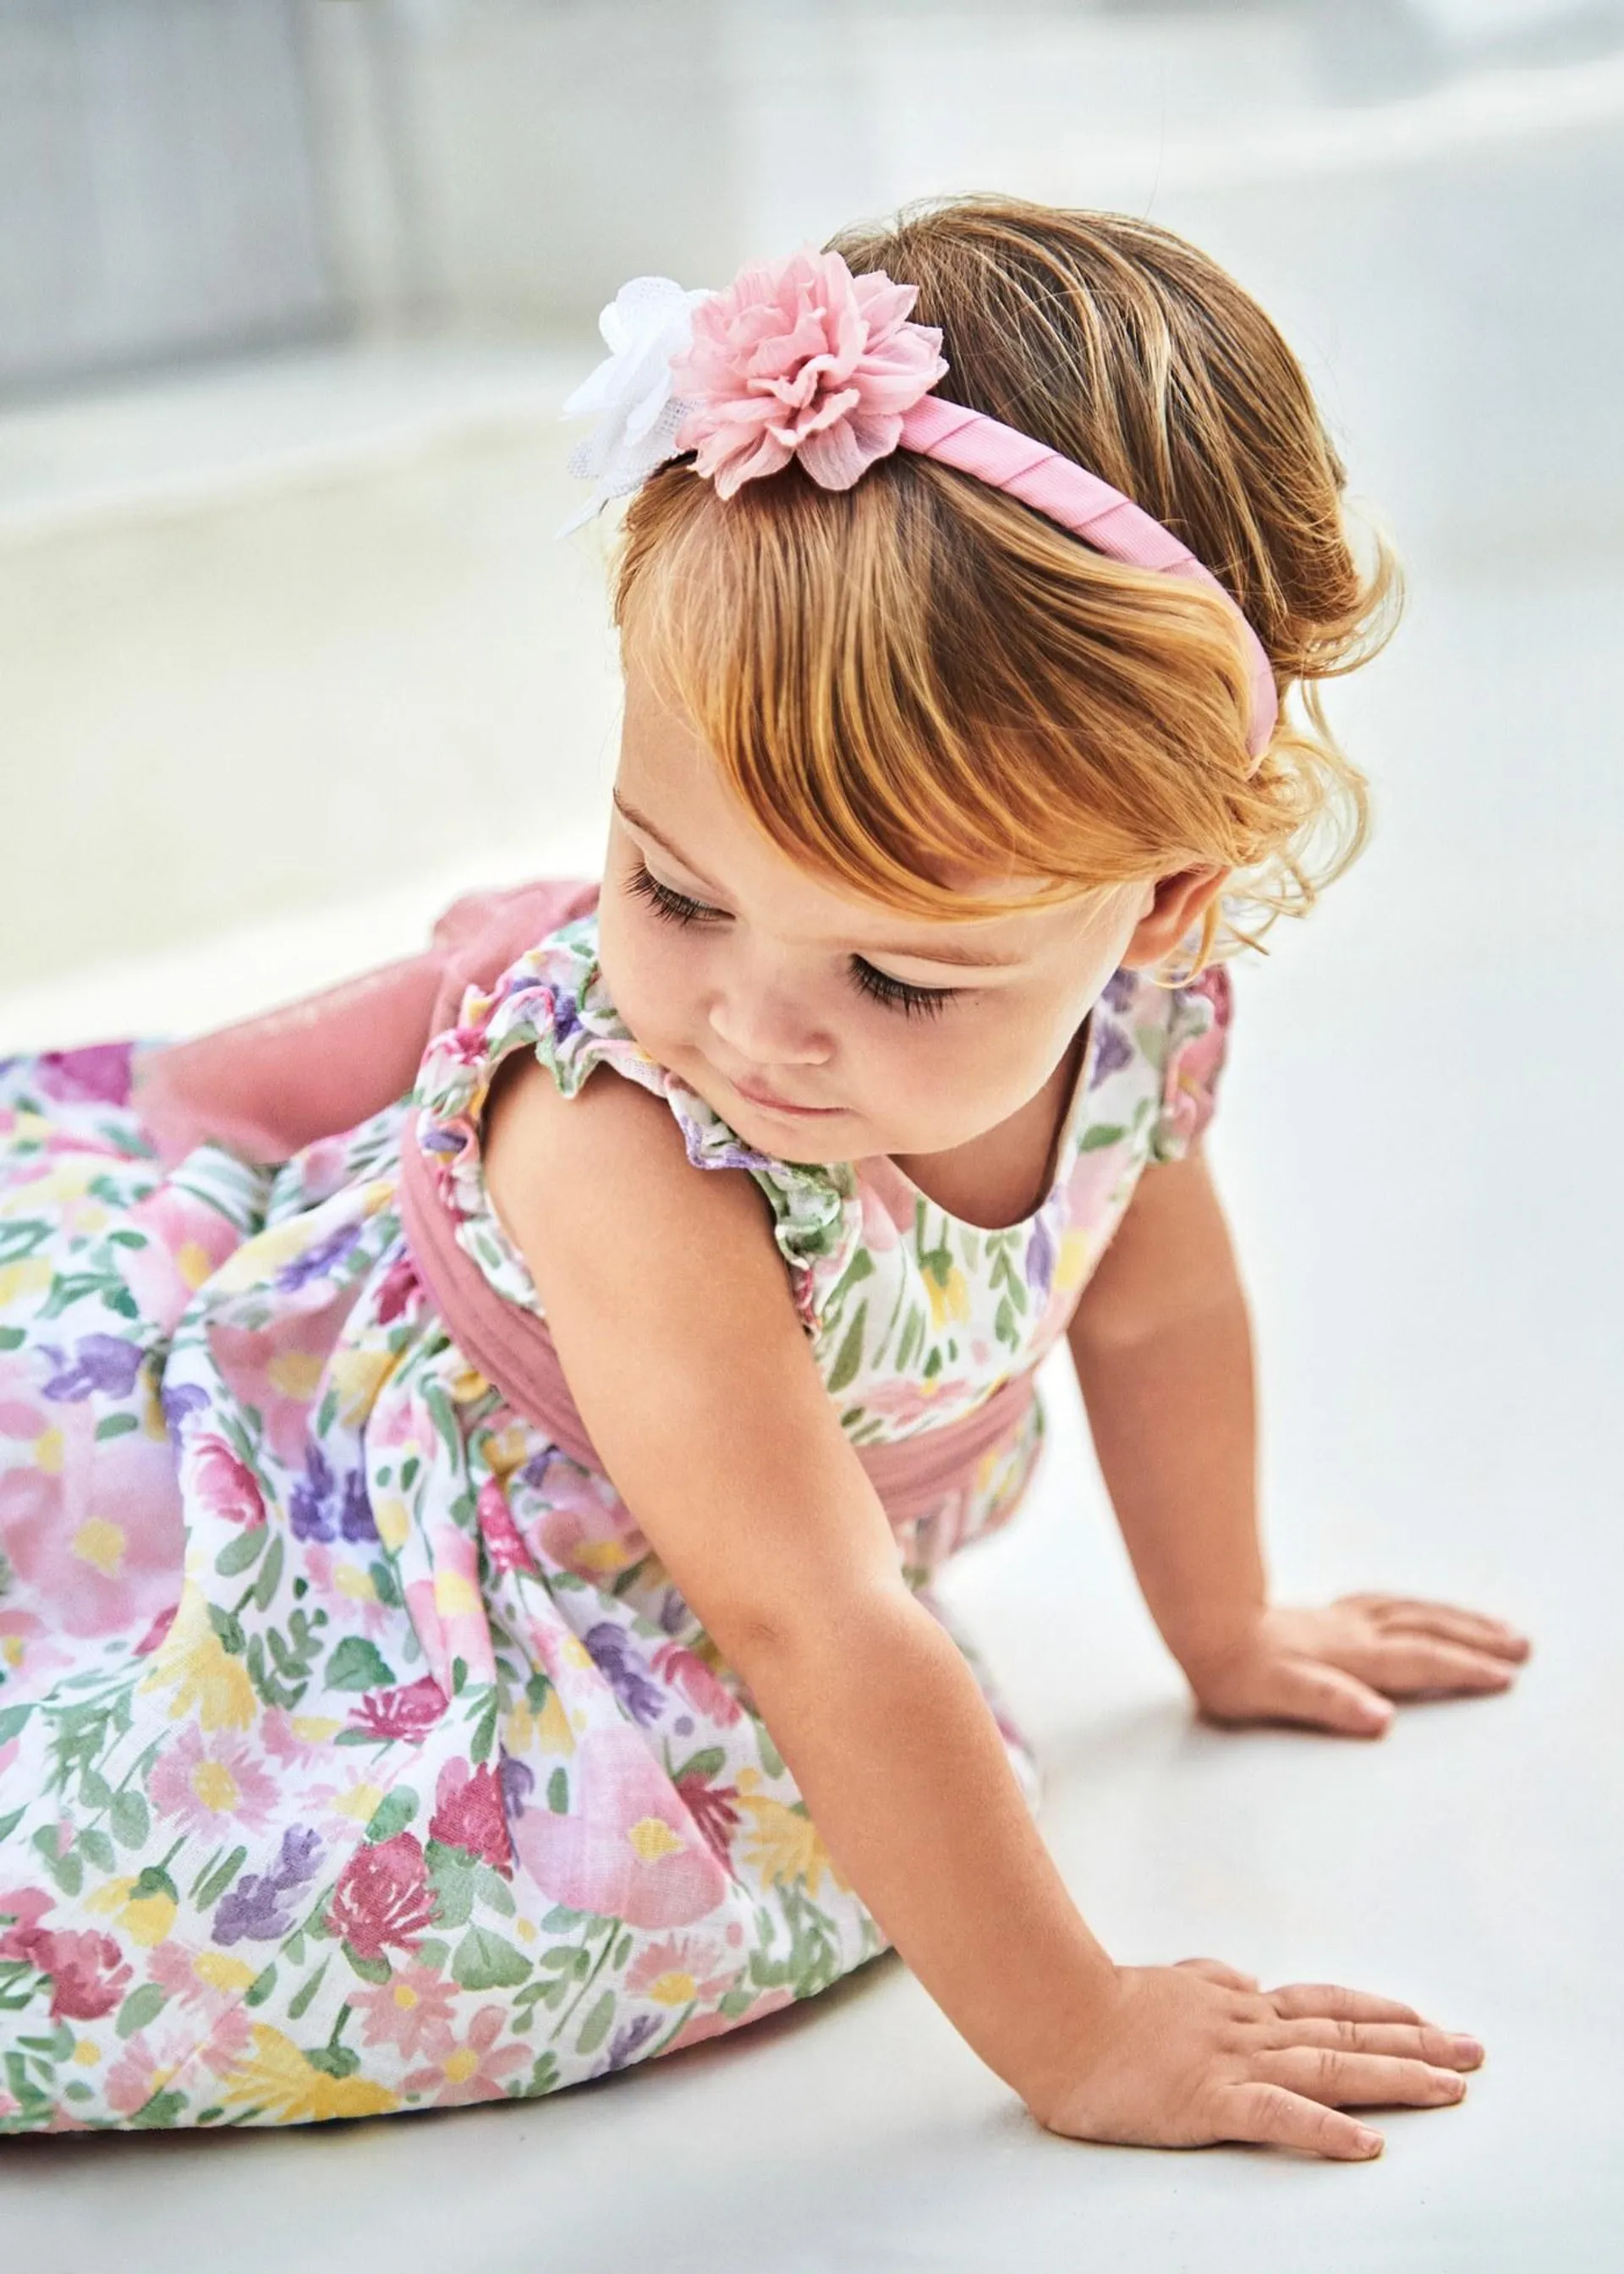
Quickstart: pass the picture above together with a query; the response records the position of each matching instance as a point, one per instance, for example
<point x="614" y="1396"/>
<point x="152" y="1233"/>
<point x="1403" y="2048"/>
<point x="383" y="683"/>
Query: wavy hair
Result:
<point x="920" y="676"/>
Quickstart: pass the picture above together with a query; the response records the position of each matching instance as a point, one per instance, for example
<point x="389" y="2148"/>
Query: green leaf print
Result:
<point x="849" y="1357"/>
<point x="238" y="1554"/>
<point x="116" y="1424"/>
<point x="221" y="1878"/>
<point x="558" y="1792"/>
<point x="140" y="2006"/>
<point x="11" y="1720"/>
<point x="356" y="1664"/>
<point x="97" y="1849"/>
<point x="595" y="2029"/>
<point x="370" y="1969"/>
<point x="299" y="2003"/>
<point x="270" y="1573"/>
<point x="485" y="1961"/>
<point x="393" y="1813"/>
<point x="1101" y="1134"/>
<point x="129" y="1817"/>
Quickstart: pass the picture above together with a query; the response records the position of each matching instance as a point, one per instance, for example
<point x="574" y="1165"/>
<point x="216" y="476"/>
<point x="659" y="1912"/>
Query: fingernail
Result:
<point x="1369" y="2143"/>
<point x="1470" y="2046"/>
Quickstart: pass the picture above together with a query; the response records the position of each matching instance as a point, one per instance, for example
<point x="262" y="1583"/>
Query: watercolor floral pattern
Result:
<point x="356" y="1754"/>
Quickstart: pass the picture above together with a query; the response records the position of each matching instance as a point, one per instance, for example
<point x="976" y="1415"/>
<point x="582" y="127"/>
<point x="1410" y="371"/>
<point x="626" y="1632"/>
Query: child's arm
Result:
<point x="1161" y="1342"/>
<point x="671" y="1311"/>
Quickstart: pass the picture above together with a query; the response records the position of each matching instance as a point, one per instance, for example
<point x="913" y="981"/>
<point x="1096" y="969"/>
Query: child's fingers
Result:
<point x="1417" y="2041"/>
<point x="1405" y="1664"/>
<point x="1274" y="2116"/>
<point x="1447" y="1619"/>
<point x="1293" y="1999"/>
<point x="1327" y="1697"/>
<point x="1345" y="2080"/>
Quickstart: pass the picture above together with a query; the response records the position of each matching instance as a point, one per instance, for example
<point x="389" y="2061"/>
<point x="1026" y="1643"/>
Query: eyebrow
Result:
<point x="978" y="958"/>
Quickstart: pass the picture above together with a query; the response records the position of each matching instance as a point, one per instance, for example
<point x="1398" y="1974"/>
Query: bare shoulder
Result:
<point x="675" y="1321"/>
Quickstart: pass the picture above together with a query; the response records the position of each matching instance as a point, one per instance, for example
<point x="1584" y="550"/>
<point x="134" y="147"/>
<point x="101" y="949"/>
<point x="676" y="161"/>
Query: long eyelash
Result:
<point x="895" y="994"/>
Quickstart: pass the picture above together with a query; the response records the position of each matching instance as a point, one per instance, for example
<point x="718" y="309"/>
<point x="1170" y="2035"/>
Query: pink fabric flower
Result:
<point x="799" y="358"/>
<point x="477" y="2069"/>
<point x="207" y="1783"/>
<point x="411" y="2011"/>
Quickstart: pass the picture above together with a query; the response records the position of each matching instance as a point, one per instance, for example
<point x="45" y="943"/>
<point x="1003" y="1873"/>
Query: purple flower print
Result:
<point x="105" y="1362"/>
<point x="317" y="1259"/>
<point x="184" y="1398"/>
<point x="1112" y="1052"/>
<point x="518" y="1782"/>
<point x="255" y="1909"/>
<point x="1040" y="1258"/>
<point x="98" y="1074"/>
<point x="625" y="2044"/>
<point x="1118" y="991"/>
<point x="623" y="1669"/>
<point x="356" y="1521"/>
<point x="566" y="1016"/>
<point x="310" y="1504"/>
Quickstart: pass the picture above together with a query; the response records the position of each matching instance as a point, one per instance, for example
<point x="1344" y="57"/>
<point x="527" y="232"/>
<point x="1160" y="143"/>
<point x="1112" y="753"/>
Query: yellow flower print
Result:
<point x="1071" y="1263"/>
<point x="547" y="1731"/>
<point x="101" y="1544"/>
<point x="277" y="2078"/>
<point x="205" y="1678"/>
<point x="31" y="1276"/>
<point x="359" y="1375"/>
<point x="258" y="1257"/>
<point x="146" y="1918"/>
<point x="787" y="1846"/>
<point x="394" y="1522"/>
<point x="949" y="1302"/>
<point x="297" y="1374"/>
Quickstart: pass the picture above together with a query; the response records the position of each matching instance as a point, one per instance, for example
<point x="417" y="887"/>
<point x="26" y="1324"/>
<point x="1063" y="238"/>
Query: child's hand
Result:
<point x="1335" y="1669"/>
<point x="1196" y="2052"/>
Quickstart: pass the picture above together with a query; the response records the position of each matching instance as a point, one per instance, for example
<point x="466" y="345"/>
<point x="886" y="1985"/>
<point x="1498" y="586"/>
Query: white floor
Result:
<point x="1420" y="1141"/>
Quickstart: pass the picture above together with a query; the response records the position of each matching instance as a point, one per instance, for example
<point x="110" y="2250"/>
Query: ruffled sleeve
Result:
<point x="1198" y="1042"/>
<point x="552" y="1000"/>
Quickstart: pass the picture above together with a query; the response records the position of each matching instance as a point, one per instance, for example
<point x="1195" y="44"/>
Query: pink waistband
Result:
<point x="512" y="1349"/>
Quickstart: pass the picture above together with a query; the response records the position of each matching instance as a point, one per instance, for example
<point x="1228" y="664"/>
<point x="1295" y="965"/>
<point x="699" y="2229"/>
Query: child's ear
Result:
<point x="1175" y="911"/>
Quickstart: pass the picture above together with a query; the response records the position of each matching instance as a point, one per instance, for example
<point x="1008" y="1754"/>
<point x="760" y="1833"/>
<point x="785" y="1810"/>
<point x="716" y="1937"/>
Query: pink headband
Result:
<point x="801" y="359"/>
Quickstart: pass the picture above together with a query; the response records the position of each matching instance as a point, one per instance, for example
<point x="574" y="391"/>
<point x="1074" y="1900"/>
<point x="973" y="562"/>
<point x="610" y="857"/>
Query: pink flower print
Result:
<point x="92" y="1529"/>
<point x="1188" y="1092"/>
<point x="688" y="1672"/>
<point x="278" y="1367"/>
<point x="397" y="1289"/>
<point x="408" y="1712"/>
<point x="383" y="1897"/>
<point x="88" y="1972"/>
<point x="411" y="2011"/>
<point x="712" y="2024"/>
<point x="207" y="1783"/>
<point x="504" y="1543"/>
<point x="154" y="1635"/>
<point x="924" y="1403"/>
<point x="586" y="1527"/>
<point x="799" y="359"/>
<point x="21" y="1909"/>
<point x="679" y="1969"/>
<point x="473" y="2070"/>
<point x="469" y="1814"/>
<point x="630" y="1849"/>
<point x="210" y="1981"/>
<point x="889" y="1201"/>
<point x="448" y="1608"/>
<point x="142" y="2068"/>
<point x="226" y="1486"/>
<point x="186" y="1242"/>
<point x="712" y="1809"/>
<point x="97" y="1074"/>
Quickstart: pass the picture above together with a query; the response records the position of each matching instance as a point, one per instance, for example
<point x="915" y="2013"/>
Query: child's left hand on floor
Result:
<point x="1336" y="1667"/>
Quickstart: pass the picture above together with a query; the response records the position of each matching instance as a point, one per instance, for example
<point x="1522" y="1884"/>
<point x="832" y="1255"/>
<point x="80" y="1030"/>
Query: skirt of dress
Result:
<point x="356" y="1754"/>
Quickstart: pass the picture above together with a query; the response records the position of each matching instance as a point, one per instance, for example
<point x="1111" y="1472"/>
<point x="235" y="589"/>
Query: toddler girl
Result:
<point x="477" y="1445"/>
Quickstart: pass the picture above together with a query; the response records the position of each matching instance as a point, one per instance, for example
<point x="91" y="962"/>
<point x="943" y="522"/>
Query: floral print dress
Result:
<point x="356" y="1754"/>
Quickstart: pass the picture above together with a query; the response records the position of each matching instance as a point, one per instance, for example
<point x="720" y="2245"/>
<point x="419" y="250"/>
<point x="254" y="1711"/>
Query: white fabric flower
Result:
<point x="629" y="395"/>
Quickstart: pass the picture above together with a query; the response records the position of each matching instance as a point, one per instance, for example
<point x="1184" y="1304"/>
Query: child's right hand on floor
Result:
<point x="1195" y="2054"/>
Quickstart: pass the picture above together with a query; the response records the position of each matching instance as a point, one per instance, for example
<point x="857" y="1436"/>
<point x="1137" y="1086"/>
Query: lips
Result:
<point x="779" y="1104"/>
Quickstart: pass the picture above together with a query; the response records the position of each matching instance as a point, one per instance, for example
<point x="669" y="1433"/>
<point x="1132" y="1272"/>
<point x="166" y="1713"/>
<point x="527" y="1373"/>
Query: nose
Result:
<point x="761" y="1029"/>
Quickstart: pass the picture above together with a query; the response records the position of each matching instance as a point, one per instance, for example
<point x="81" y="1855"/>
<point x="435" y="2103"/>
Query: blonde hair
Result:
<point x="919" y="674"/>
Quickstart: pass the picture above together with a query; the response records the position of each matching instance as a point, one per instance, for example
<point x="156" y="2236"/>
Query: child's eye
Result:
<point x="895" y="994"/>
